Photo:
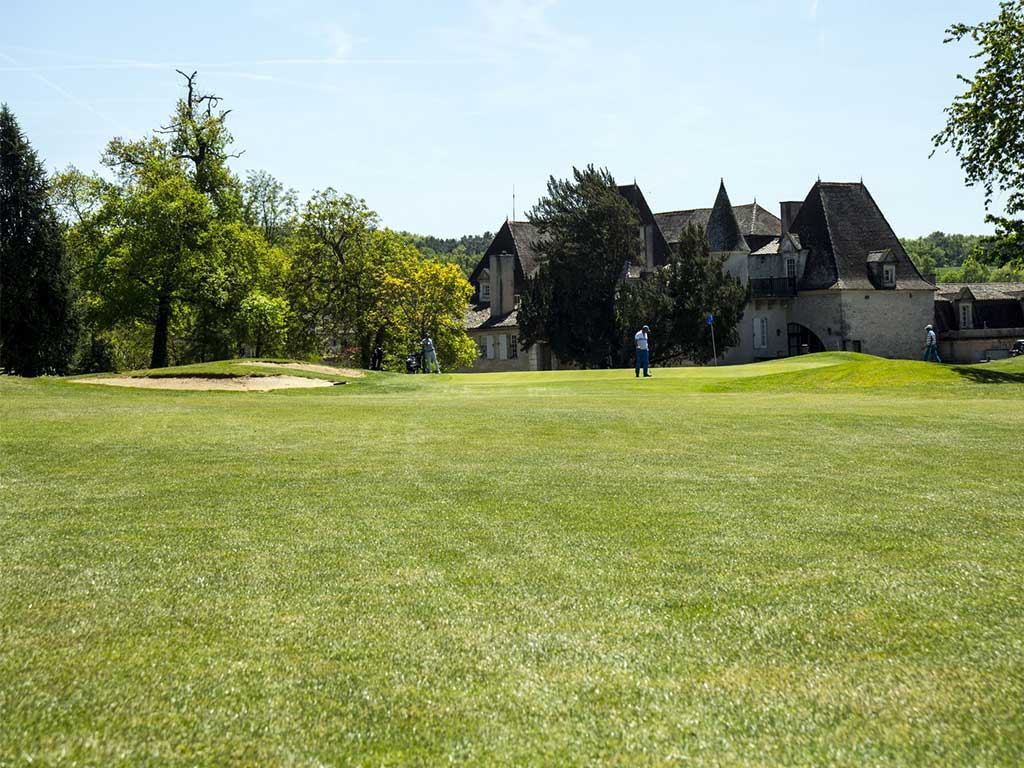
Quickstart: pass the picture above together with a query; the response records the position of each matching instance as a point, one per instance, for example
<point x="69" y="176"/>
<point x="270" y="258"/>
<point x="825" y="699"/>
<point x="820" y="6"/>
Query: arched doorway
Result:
<point x="802" y="340"/>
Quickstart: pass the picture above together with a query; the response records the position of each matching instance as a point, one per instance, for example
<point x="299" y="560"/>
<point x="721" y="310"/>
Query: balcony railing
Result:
<point x="765" y="287"/>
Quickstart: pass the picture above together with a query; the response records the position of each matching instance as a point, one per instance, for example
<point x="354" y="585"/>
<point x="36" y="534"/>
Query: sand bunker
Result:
<point x="349" y="372"/>
<point x="238" y="384"/>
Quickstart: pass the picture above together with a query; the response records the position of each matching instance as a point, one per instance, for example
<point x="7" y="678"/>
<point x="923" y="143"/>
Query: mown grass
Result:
<point x="814" y="561"/>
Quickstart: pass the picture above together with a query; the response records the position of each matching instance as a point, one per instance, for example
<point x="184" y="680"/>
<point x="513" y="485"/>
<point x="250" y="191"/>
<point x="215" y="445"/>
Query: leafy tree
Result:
<point x="466" y="251"/>
<point x="675" y="302"/>
<point x="330" y="273"/>
<point x="587" y="234"/>
<point x="362" y="286"/>
<point x="985" y="124"/>
<point x="37" y="325"/>
<point x="269" y="207"/>
<point x="262" y="323"/>
<point x="939" y="250"/>
<point x="150" y="248"/>
<point x="163" y="241"/>
<point x="423" y="296"/>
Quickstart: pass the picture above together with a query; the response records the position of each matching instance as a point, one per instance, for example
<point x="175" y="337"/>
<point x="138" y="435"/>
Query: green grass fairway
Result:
<point x="818" y="561"/>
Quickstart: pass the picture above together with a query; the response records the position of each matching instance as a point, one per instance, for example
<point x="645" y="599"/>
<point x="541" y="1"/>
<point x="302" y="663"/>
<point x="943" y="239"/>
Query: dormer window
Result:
<point x="882" y="269"/>
<point x="485" y="291"/>
<point x="889" y="275"/>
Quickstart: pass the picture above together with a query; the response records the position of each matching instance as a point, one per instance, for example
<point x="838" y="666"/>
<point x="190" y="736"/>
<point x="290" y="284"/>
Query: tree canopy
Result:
<point x="37" y="324"/>
<point x="169" y="242"/>
<point x="676" y="300"/>
<point x="985" y="123"/>
<point x="586" y="237"/>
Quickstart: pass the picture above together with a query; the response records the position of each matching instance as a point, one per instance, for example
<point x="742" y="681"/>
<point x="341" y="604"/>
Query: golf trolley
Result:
<point x="414" y="363"/>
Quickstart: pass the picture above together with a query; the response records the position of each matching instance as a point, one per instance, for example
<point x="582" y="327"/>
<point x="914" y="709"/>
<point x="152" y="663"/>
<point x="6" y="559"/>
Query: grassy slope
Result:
<point x="811" y="561"/>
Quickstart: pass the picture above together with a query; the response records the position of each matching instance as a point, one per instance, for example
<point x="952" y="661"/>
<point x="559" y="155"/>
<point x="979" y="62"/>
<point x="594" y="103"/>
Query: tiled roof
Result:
<point x="981" y="291"/>
<point x="723" y="228"/>
<point x="841" y="225"/>
<point x="479" y="316"/>
<point x="752" y="220"/>
<point x="770" y="249"/>
<point x="517" y="237"/>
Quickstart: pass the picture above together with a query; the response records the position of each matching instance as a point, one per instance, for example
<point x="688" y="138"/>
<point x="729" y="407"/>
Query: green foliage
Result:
<point x="675" y="301"/>
<point x="465" y="251"/>
<point x="165" y="242"/>
<point x="587" y="234"/>
<point x="199" y="138"/>
<point x="939" y="250"/>
<point x="263" y="323"/>
<point x="985" y="124"/>
<point x="269" y="207"/>
<point x="216" y="268"/>
<point x="974" y="270"/>
<point x="354" y="284"/>
<point x="37" y="323"/>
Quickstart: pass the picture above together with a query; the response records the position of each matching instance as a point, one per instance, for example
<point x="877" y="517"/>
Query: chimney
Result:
<point x="508" y="281"/>
<point x="789" y="211"/>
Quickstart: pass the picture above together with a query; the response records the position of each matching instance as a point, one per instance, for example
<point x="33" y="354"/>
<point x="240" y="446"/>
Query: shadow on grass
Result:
<point x="981" y="375"/>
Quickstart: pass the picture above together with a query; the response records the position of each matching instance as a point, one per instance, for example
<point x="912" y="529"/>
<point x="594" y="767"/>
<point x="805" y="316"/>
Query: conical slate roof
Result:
<point x="723" y="229"/>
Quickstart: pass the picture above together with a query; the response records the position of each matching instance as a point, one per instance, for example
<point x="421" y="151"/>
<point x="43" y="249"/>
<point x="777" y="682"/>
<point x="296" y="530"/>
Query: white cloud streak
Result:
<point x="70" y="97"/>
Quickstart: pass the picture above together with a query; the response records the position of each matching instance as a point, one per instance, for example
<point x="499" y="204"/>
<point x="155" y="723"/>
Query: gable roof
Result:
<point x="518" y="238"/>
<point x="841" y="226"/>
<point x="633" y="196"/>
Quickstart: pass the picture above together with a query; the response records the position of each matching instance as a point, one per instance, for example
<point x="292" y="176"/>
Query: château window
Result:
<point x="966" y="316"/>
<point x="888" y="275"/>
<point x="760" y="333"/>
<point x="485" y="291"/>
<point x="513" y="347"/>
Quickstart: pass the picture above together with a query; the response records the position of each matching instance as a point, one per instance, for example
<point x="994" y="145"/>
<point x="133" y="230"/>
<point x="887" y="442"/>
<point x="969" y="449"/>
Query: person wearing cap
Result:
<point x="642" y="351"/>
<point x="931" y="346"/>
<point x="429" y="356"/>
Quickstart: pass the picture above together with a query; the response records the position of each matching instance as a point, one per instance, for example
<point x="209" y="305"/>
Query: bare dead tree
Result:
<point x="199" y="133"/>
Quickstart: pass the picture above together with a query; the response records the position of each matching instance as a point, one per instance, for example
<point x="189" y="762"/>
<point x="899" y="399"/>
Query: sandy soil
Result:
<point x="240" y="384"/>
<point x="349" y="372"/>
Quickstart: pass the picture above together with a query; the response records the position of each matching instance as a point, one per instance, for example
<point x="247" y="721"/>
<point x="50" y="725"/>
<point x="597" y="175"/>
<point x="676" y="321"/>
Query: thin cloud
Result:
<point x="70" y="97"/>
<point x="338" y="40"/>
<point x="813" y="10"/>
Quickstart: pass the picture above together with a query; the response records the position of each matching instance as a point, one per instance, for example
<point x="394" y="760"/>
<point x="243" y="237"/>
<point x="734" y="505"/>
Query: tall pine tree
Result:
<point x="37" y="328"/>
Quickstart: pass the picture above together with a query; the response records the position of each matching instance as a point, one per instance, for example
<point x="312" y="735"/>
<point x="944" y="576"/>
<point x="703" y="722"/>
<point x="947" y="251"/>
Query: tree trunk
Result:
<point x="163" y="320"/>
<point x="365" y="350"/>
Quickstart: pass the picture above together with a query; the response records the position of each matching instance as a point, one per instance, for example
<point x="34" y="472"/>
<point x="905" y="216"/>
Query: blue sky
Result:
<point x="433" y="111"/>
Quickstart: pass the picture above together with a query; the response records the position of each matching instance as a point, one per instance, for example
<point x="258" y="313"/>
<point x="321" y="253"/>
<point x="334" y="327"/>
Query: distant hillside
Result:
<point x="954" y="259"/>
<point x="464" y="251"/>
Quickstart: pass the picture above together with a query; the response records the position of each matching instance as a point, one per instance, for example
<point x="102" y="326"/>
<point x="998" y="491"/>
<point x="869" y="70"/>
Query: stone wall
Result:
<point x="888" y="323"/>
<point x="821" y="312"/>
<point x="973" y="346"/>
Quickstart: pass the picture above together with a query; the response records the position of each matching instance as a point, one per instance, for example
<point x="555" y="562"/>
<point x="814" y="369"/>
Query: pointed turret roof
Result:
<point x="723" y="229"/>
<point x="844" y="230"/>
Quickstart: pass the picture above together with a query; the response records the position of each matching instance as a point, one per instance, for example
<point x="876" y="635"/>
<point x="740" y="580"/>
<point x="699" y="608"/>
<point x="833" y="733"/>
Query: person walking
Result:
<point x="430" y="364"/>
<point x="931" y="346"/>
<point x="643" y="353"/>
